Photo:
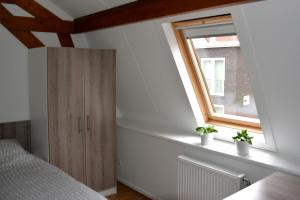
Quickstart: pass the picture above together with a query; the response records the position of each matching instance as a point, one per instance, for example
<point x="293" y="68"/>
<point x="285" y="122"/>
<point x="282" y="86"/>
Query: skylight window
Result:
<point x="217" y="70"/>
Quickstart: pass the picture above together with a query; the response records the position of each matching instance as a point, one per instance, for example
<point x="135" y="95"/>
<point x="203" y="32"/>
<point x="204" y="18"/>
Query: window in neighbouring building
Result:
<point x="219" y="108"/>
<point x="214" y="72"/>
<point x="216" y="67"/>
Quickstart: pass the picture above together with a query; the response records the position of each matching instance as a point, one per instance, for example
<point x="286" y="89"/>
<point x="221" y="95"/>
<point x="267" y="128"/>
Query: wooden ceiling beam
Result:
<point x="37" y="10"/>
<point x="46" y="21"/>
<point x="32" y="7"/>
<point x="25" y="37"/>
<point x="145" y="10"/>
<point x="65" y="40"/>
<point x="37" y="24"/>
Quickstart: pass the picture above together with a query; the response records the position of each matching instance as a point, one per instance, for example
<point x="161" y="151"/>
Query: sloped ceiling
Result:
<point x="79" y="8"/>
<point x="148" y="84"/>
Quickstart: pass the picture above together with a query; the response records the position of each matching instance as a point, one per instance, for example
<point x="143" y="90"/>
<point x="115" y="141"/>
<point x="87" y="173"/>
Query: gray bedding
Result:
<point x="26" y="177"/>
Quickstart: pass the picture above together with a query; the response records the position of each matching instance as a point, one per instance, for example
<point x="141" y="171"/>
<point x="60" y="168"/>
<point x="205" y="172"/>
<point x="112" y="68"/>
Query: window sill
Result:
<point x="272" y="160"/>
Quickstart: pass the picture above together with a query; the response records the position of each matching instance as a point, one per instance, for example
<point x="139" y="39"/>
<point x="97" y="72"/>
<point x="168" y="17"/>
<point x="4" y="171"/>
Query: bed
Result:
<point x="23" y="176"/>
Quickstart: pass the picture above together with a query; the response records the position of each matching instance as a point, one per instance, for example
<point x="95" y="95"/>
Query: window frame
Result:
<point x="198" y="81"/>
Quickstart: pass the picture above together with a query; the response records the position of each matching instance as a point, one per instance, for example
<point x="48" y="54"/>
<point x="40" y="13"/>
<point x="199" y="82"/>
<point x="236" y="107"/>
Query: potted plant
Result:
<point x="206" y="134"/>
<point x="243" y="141"/>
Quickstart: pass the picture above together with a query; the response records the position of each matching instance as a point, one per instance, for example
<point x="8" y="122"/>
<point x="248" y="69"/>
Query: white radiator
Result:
<point x="202" y="181"/>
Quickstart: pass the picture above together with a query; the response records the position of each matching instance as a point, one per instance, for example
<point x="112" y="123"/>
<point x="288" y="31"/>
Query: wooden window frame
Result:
<point x="197" y="78"/>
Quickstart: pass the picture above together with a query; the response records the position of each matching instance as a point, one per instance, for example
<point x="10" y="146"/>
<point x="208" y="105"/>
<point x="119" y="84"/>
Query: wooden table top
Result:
<point x="278" y="186"/>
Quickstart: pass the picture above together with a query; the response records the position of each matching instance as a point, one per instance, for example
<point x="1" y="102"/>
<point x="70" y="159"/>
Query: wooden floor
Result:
<point x="125" y="193"/>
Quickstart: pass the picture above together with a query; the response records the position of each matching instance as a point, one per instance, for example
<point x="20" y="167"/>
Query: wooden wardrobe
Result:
<point x="72" y="95"/>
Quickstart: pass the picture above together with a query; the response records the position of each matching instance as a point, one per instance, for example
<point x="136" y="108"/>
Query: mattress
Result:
<point x="26" y="177"/>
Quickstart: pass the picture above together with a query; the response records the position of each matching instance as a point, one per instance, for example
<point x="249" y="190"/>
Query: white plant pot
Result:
<point x="207" y="139"/>
<point x="242" y="148"/>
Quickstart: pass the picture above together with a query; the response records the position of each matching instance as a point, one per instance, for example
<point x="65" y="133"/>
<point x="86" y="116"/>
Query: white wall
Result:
<point x="14" y="104"/>
<point x="14" y="85"/>
<point x="149" y="164"/>
<point x="274" y="33"/>
<point x="150" y="90"/>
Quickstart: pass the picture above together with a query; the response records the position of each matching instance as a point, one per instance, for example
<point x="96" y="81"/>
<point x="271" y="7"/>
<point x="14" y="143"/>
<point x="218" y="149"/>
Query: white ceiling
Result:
<point x="79" y="8"/>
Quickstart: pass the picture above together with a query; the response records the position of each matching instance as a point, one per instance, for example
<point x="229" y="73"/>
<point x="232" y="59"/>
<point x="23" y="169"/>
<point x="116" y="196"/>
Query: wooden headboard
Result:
<point x="17" y="130"/>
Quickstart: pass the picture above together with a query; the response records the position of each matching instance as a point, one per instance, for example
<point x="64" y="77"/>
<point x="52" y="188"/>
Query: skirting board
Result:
<point x="138" y="189"/>
<point x="109" y="191"/>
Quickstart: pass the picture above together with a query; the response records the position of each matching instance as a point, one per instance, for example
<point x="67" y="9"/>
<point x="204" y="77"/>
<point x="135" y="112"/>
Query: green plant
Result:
<point x="206" y="130"/>
<point x="243" y="136"/>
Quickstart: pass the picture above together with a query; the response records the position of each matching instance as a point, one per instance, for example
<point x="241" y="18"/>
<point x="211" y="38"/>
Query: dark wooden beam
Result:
<point x="37" y="10"/>
<point x="145" y="10"/>
<point x="25" y="37"/>
<point x="32" y="7"/>
<point x="65" y="40"/>
<point x="37" y="24"/>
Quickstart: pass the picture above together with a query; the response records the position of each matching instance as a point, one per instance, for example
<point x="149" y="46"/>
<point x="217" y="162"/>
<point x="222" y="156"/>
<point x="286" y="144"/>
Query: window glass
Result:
<point x="219" y="109"/>
<point x="224" y="69"/>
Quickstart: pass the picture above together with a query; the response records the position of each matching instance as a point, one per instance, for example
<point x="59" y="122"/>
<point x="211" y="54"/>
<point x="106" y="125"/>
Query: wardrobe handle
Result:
<point x="88" y="123"/>
<point x="79" y="125"/>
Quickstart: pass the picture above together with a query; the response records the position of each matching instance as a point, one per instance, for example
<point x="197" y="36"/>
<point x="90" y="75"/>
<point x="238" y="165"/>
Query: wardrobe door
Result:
<point x="100" y="111"/>
<point x="66" y="110"/>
